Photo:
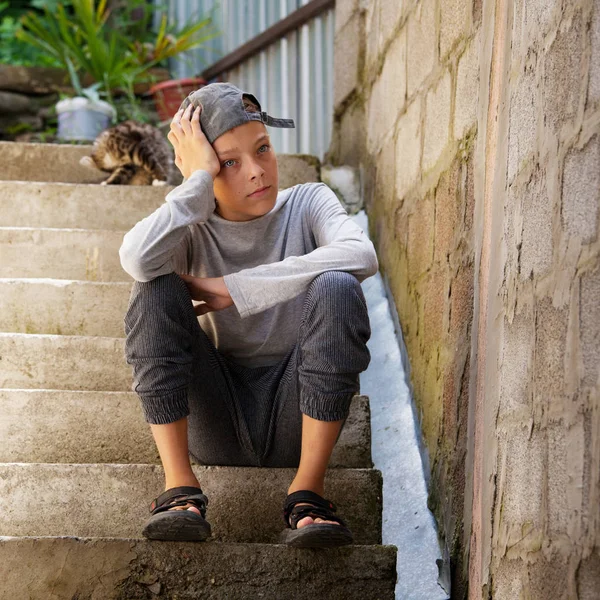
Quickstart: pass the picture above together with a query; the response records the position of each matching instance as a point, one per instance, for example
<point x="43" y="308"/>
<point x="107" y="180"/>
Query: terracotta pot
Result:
<point x="168" y="95"/>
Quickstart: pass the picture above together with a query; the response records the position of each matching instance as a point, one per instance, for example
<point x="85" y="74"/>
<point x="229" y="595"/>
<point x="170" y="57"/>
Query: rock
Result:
<point x="345" y="182"/>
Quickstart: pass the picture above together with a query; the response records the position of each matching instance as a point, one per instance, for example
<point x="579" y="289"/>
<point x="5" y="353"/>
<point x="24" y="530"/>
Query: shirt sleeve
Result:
<point x="342" y="246"/>
<point x="160" y="243"/>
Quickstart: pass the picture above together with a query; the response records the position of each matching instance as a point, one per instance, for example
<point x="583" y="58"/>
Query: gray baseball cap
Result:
<point x="223" y="109"/>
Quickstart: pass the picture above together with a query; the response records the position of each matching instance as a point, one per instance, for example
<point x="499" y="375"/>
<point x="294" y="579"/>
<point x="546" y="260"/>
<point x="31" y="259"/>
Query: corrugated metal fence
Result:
<point x="292" y="78"/>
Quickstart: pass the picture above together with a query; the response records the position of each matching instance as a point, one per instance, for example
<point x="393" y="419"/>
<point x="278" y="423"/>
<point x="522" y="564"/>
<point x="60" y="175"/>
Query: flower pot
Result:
<point x="80" y="118"/>
<point x="168" y="95"/>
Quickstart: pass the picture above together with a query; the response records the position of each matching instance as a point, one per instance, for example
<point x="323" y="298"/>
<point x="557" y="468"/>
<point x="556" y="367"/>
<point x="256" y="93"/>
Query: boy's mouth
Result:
<point x="259" y="192"/>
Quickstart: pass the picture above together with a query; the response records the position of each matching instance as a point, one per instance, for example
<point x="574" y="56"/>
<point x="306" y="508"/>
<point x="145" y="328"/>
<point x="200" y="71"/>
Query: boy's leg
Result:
<point x="320" y="378"/>
<point x="182" y="381"/>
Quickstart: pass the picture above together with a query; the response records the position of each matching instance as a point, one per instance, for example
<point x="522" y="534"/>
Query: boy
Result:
<point x="262" y="371"/>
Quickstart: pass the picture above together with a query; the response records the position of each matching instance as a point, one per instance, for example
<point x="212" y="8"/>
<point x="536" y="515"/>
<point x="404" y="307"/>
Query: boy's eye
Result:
<point x="232" y="160"/>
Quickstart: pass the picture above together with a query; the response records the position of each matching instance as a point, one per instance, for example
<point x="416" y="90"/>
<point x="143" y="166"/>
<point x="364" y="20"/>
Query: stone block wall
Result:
<point x="476" y="128"/>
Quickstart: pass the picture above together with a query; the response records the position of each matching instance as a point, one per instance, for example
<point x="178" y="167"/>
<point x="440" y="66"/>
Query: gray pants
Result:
<point x="237" y="415"/>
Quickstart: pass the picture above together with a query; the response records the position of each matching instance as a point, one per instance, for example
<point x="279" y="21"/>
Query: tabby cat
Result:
<point x="134" y="154"/>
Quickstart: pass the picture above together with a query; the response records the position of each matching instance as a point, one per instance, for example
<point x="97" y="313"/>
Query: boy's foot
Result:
<point x="309" y="520"/>
<point x="193" y="483"/>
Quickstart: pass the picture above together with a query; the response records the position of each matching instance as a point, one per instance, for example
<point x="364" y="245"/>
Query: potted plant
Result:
<point x="86" y="45"/>
<point x="168" y="43"/>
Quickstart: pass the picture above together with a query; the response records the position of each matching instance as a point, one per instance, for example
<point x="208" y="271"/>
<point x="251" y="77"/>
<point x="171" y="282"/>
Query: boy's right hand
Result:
<point x="192" y="149"/>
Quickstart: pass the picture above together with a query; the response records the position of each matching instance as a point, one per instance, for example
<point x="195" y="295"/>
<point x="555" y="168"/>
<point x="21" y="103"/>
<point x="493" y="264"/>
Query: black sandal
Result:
<point x="186" y="525"/>
<point x="315" y="535"/>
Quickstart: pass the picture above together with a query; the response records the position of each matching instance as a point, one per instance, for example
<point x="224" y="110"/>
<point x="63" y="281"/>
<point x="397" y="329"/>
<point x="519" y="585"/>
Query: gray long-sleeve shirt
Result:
<point x="267" y="263"/>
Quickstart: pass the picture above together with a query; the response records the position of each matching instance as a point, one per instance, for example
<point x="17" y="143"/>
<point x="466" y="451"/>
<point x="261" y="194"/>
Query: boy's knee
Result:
<point x="334" y="283"/>
<point x="163" y="293"/>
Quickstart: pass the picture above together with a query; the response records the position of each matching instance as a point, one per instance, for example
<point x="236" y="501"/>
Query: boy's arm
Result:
<point x="342" y="246"/>
<point x="158" y="244"/>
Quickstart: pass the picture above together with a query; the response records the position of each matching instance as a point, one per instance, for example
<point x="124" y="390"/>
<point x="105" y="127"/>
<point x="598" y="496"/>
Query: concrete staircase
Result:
<point x="79" y="466"/>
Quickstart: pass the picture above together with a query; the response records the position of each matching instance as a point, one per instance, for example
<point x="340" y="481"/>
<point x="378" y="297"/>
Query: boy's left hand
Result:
<point x="210" y="290"/>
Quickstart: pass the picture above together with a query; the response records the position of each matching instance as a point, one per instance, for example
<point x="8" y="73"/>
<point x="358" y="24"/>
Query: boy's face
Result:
<point x="248" y="163"/>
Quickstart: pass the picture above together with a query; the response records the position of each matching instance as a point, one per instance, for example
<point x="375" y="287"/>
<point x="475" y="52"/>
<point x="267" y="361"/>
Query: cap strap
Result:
<point x="269" y="120"/>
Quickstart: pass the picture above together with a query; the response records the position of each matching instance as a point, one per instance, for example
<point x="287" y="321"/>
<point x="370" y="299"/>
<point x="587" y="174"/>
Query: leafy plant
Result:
<point x="14" y="51"/>
<point x="84" y="42"/>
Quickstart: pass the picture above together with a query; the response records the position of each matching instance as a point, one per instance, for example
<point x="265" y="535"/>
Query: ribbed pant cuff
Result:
<point x="160" y="410"/>
<point x="333" y="407"/>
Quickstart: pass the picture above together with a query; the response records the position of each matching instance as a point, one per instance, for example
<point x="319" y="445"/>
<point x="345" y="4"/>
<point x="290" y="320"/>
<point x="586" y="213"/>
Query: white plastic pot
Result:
<point x="80" y="118"/>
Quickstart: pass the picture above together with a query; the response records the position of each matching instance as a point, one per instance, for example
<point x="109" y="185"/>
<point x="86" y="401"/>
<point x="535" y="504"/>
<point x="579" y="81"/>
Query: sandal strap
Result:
<point x="188" y="495"/>
<point x="322" y="508"/>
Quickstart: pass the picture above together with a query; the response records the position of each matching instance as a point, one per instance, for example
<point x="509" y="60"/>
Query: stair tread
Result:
<point x="61" y="426"/>
<point x="244" y="503"/>
<point x="118" y="568"/>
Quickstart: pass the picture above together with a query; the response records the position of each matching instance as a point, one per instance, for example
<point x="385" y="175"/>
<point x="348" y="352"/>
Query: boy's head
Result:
<point x="234" y="124"/>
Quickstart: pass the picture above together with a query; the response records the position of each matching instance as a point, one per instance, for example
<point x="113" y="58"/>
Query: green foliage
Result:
<point x="82" y="38"/>
<point x="14" y="51"/>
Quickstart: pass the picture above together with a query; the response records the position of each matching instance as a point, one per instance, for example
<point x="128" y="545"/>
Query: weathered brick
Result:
<point x="386" y="165"/>
<point x="388" y="93"/>
<point x="467" y="89"/>
<point x="346" y="50"/>
<point x="343" y="11"/>
<point x="594" y="83"/>
<point x="435" y="309"/>
<point x="437" y="121"/>
<point x="581" y="191"/>
<point x="420" y="238"/>
<point x="564" y="74"/>
<point x="373" y="34"/>
<point x="421" y="44"/>
<point x="522" y="121"/>
<point x="565" y="478"/>
<point x="589" y="327"/>
<point x="547" y="577"/>
<point x="588" y="576"/>
<point x="455" y="23"/>
<point x="461" y="301"/>
<point x="470" y="199"/>
<point x="536" y="250"/>
<point x="549" y="370"/>
<point x="390" y="13"/>
<point x="408" y="149"/>
<point x="508" y="580"/>
<point x="524" y="477"/>
<point x="532" y="20"/>
<point x="351" y="136"/>
<point x="447" y="212"/>
<point x="516" y="366"/>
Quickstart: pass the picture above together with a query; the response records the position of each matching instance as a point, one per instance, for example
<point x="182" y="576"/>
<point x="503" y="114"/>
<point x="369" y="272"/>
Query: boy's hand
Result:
<point x="211" y="290"/>
<point x="192" y="150"/>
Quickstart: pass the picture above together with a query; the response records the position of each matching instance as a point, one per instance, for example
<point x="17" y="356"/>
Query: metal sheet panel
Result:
<point x="293" y="78"/>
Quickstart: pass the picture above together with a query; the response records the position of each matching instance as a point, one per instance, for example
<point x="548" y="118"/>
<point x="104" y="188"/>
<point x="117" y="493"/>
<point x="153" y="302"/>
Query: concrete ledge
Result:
<point x="56" y="426"/>
<point x="125" y="569"/>
<point x="62" y="254"/>
<point x="245" y="503"/>
<point x="77" y="206"/>
<point x="60" y="163"/>
<point x="63" y="362"/>
<point x="63" y="307"/>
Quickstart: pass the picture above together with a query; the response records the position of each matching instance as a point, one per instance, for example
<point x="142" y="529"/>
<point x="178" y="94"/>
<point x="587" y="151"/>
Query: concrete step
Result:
<point x="77" y="206"/>
<point x="59" y="426"/>
<point x="60" y="163"/>
<point x="122" y="569"/>
<point x="86" y="255"/>
<point x="62" y="362"/>
<point x="112" y="500"/>
<point x="63" y="307"/>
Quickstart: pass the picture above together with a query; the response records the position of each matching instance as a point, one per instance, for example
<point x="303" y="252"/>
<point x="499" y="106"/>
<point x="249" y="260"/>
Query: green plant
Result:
<point x="84" y="42"/>
<point x="135" y="18"/>
<point x="13" y="51"/>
